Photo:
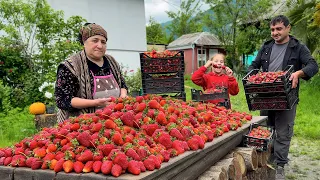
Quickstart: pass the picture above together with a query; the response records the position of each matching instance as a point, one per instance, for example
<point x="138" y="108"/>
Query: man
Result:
<point x="275" y="55"/>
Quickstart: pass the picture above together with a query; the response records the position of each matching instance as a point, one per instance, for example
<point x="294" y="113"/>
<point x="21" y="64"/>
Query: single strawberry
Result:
<point x="140" y="107"/>
<point x="106" y="148"/>
<point x="87" y="155"/>
<point x="121" y="159"/>
<point x="150" y="128"/>
<point x="166" y="155"/>
<point x="84" y="139"/>
<point x="97" y="166"/>
<point x="165" y="140"/>
<point x="193" y="144"/>
<point x="134" y="167"/>
<point x="118" y="107"/>
<point x="133" y="154"/>
<point x="153" y="104"/>
<point x="149" y="164"/>
<point x="186" y="133"/>
<point x="127" y="118"/>
<point x="67" y="166"/>
<point x="116" y="170"/>
<point x="78" y="166"/>
<point x="106" y="167"/>
<point x="174" y="132"/>
<point x="59" y="165"/>
<point x="141" y="165"/>
<point x="96" y="127"/>
<point x="177" y="145"/>
<point x="209" y="135"/>
<point x="36" y="164"/>
<point x="40" y="153"/>
<point x="109" y="124"/>
<point x="161" y="118"/>
<point x="156" y="160"/>
<point x="52" y="164"/>
<point x="139" y="99"/>
<point x="117" y="138"/>
<point x="88" y="167"/>
<point x="75" y="127"/>
<point x="142" y="152"/>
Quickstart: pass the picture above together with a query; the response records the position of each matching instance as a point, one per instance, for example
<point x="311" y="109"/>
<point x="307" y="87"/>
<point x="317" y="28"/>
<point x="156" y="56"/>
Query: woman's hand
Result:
<point x="102" y="101"/>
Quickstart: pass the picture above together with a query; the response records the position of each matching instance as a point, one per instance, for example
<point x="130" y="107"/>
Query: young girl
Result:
<point x="220" y="77"/>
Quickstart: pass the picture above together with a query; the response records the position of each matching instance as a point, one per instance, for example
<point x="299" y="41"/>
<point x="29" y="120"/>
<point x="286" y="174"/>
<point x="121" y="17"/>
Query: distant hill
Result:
<point x="163" y="25"/>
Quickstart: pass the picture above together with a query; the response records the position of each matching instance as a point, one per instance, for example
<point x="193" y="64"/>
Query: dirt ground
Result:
<point x="304" y="158"/>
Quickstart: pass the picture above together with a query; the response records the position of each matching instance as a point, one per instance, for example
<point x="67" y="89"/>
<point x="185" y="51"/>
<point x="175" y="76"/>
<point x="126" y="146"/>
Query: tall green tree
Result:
<point x="155" y="34"/>
<point x="41" y="38"/>
<point x="303" y="18"/>
<point x="186" y="20"/>
<point x="239" y="25"/>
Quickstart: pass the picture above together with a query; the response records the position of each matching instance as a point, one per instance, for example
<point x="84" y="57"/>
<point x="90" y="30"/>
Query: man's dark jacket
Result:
<point x="297" y="54"/>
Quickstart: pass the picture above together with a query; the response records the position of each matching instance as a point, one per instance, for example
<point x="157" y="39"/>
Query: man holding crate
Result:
<point x="276" y="55"/>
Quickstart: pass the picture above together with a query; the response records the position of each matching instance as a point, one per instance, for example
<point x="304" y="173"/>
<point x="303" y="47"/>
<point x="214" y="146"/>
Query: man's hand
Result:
<point x="295" y="78"/>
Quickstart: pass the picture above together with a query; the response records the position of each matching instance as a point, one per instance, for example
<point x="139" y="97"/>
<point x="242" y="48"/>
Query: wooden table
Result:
<point x="188" y="165"/>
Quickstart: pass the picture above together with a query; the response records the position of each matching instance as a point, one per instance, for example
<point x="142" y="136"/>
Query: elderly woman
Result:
<point x="87" y="80"/>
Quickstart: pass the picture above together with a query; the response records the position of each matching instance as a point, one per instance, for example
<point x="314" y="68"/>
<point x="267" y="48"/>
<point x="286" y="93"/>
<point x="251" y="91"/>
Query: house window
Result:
<point x="201" y="57"/>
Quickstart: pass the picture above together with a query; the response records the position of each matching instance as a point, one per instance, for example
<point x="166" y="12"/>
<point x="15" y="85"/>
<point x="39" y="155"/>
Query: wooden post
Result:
<point x="45" y="120"/>
<point x="250" y="157"/>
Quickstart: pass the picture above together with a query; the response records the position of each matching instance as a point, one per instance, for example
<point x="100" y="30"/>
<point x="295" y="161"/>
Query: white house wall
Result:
<point x="124" y="20"/>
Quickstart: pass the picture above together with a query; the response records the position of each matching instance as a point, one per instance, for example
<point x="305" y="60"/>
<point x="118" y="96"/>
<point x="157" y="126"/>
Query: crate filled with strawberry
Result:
<point x="211" y="94"/>
<point x="162" y="62"/>
<point x="131" y="135"/>
<point x="269" y="90"/>
<point x="162" y="72"/>
<point x="259" y="137"/>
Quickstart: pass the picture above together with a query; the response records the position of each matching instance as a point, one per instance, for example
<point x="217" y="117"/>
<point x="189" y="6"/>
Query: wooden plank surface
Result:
<point x="188" y="165"/>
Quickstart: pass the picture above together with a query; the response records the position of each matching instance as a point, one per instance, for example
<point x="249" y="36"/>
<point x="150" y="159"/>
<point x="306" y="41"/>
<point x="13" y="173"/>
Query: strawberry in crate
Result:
<point x="259" y="136"/>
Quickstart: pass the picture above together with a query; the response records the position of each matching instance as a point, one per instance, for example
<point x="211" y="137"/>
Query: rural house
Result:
<point x="123" y="20"/>
<point x="198" y="48"/>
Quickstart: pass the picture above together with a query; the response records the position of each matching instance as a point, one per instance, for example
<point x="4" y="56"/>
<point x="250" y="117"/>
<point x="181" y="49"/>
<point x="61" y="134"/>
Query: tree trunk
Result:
<point x="233" y="168"/>
<point x="250" y="157"/>
<point x="236" y="155"/>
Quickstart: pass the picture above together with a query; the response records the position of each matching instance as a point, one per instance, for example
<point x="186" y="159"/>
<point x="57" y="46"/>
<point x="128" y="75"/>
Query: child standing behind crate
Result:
<point x="219" y="77"/>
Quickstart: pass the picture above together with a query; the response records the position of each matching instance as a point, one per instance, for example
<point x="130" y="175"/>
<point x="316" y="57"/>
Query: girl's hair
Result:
<point x="224" y="57"/>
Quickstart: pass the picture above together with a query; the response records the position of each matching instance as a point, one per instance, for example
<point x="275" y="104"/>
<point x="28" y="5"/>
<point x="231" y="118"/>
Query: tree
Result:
<point x="186" y="20"/>
<point x="42" y="39"/>
<point x="236" y="22"/>
<point x="155" y="32"/>
<point x="304" y="17"/>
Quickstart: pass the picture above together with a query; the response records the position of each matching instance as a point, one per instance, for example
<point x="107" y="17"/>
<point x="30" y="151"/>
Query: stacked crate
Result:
<point x="276" y="95"/>
<point x="163" y="75"/>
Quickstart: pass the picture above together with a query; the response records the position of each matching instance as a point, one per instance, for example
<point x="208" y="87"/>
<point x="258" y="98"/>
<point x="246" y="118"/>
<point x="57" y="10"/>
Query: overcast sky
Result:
<point x="157" y="9"/>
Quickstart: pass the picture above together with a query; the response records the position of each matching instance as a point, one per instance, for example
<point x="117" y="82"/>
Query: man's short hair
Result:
<point x="280" y="19"/>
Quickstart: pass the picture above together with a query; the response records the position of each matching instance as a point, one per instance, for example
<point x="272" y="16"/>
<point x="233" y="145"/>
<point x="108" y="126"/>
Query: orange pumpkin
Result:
<point x="37" y="108"/>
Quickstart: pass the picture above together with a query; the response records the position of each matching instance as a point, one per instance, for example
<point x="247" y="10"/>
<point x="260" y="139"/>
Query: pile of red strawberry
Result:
<point x="130" y="135"/>
<point x="260" y="132"/>
<point x="265" y="77"/>
<point x="164" y="54"/>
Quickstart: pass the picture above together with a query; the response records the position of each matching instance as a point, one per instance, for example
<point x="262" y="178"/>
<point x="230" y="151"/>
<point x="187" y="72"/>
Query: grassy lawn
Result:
<point x="16" y="125"/>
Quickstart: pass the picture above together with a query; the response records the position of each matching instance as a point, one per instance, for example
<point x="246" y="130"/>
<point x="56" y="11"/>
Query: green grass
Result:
<point x="18" y="124"/>
<point x="15" y="125"/>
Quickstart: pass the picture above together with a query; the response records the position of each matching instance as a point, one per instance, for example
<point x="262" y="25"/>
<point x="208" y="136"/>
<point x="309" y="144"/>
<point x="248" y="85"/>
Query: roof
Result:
<point x="199" y="38"/>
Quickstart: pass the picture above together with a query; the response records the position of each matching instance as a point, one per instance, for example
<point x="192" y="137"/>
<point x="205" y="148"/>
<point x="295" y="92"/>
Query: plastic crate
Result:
<point x="162" y="86"/>
<point x="272" y="101"/>
<point x="261" y="144"/>
<point x="163" y="64"/>
<point x="281" y="84"/>
<point x="199" y="96"/>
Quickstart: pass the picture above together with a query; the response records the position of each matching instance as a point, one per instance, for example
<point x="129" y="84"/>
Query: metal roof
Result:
<point x="199" y="38"/>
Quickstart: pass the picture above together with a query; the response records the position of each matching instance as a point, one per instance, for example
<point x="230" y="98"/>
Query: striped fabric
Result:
<point x="77" y="64"/>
